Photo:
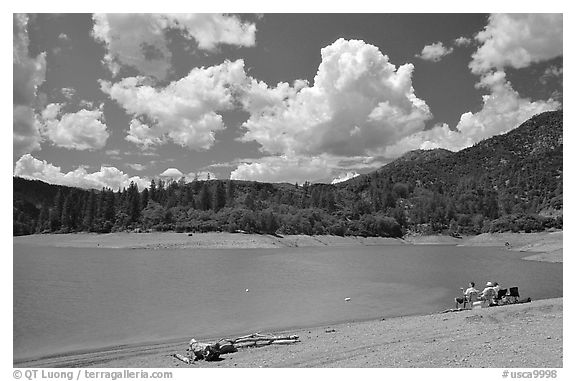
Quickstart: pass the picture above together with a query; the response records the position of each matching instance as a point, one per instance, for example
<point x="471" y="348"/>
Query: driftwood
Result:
<point x="226" y="346"/>
<point x="203" y="351"/>
<point x="212" y="351"/>
<point x="260" y="340"/>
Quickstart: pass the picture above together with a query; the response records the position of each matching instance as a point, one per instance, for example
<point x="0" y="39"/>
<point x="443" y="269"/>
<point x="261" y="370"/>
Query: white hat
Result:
<point x="489" y="284"/>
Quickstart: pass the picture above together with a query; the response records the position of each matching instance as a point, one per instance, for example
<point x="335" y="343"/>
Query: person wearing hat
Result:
<point x="488" y="294"/>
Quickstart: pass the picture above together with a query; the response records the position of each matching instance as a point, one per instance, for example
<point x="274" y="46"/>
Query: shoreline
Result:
<point x="521" y="335"/>
<point x="545" y="247"/>
<point x="541" y="246"/>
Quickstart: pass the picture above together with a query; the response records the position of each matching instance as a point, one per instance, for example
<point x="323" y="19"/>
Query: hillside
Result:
<point x="518" y="173"/>
<point x="511" y="182"/>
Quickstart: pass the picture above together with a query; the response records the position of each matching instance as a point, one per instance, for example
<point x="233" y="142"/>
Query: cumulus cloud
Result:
<point x="517" y="40"/>
<point x="359" y="103"/>
<point x="345" y="177"/>
<point x="185" y="111"/>
<point x="502" y="110"/>
<point x="551" y="72"/>
<point x="110" y="177"/>
<point x="68" y="92"/>
<point x="283" y="169"/>
<point x="81" y="130"/>
<point x="434" y="52"/>
<point x="210" y="30"/>
<point x="28" y="74"/>
<point x="139" y="40"/>
<point x="141" y="134"/>
<point x="172" y="173"/>
<point x="463" y="41"/>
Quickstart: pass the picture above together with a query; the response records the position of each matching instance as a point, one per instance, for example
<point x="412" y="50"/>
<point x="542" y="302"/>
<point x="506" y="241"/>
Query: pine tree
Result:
<point x="133" y="201"/>
<point x="153" y="190"/>
<point x="90" y="211"/>
<point x="230" y="190"/>
<point x="65" y="217"/>
<point x="249" y="201"/>
<point x="204" y="200"/>
<point x="43" y="219"/>
<point x="56" y="212"/>
<point x="145" y="196"/>
<point x="219" y="197"/>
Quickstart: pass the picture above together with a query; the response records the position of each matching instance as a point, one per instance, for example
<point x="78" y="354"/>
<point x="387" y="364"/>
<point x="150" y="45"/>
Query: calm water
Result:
<point x="70" y="299"/>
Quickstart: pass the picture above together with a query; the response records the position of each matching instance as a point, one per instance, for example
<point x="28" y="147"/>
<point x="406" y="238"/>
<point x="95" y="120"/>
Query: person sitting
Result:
<point x="469" y="296"/>
<point x="496" y="287"/>
<point x="488" y="294"/>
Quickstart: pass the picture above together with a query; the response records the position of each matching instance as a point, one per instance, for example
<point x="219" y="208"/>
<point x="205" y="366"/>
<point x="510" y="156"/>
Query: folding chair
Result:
<point x="513" y="293"/>
<point x="501" y="294"/>
<point x="470" y="299"/>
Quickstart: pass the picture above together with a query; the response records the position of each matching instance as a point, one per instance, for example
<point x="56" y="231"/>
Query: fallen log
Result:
<point x="284" y="342"/>
<point x="245" y="344"/>
<point x="226" y="346"/>
<point x="254" y="337"/>
<point x="212" y="351"/>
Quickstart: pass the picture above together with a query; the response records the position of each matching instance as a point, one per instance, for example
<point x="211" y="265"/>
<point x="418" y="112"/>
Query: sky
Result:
<point x="106" y="99"/>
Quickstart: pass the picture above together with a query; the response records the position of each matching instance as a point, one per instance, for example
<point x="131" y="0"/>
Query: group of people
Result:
<point x="471" y="294"/>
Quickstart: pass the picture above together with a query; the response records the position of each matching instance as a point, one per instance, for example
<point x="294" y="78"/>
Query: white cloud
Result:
<point x="283" y="169"/>
<point x="81" y="130"/>
<point x="86" y="104"/>
<point x="502" y="110"/>
<point x="210" y="30"/>
<point x="517" y="40"/>
<point x="183" y="112"/>
<point x="550" y="73"/>
<point x="29" y="167"/>
<point x="463" y="41"/>
<point x="26" y="130"/>
<point x="64" y="37"/>
<point x="68" y="92"/>
<point x="28" y="74"/>
<point x="142" y="135"/>
<point x="172" y="173"/>
<point x="359" y="103"/>
<point x="434" y="52"/>
<point x="136" y="166"/>
<point x="139" y="41"/>
<point x="345" y="177"/>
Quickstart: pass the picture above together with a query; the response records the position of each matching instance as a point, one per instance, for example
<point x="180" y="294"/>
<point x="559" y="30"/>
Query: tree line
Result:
<point x="385" y="209"/>
<point x="511" y="182"/>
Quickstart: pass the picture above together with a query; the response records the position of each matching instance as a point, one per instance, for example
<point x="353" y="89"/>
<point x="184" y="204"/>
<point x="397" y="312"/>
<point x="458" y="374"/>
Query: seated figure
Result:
<point x="488" y="294"/>
<point x="468" y="297"/>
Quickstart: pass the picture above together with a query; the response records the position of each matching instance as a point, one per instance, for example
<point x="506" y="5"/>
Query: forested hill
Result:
<point x="511" y="182"/>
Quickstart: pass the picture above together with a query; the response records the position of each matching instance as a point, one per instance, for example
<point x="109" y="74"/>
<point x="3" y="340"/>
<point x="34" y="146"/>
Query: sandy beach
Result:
<point x="522" y="335"/>
<point x="542" y="246"/>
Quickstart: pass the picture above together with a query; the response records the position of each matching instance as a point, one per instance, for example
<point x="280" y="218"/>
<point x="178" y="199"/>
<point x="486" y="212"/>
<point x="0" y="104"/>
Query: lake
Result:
<point x="68" y="299"/>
